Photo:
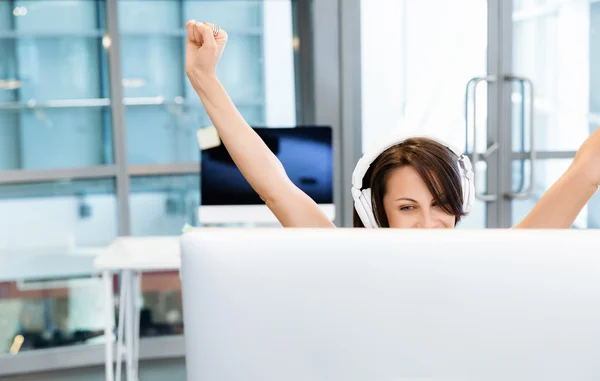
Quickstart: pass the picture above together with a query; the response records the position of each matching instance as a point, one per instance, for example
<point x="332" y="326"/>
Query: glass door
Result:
<point x="553" y="50"/>
<point x="541" y="103"/>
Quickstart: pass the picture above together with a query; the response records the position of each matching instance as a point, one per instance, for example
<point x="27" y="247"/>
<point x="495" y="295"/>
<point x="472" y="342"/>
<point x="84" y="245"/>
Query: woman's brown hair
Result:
<point x="435" y="163"/>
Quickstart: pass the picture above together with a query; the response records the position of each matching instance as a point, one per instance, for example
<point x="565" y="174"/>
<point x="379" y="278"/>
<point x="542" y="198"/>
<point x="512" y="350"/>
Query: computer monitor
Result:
<point x="307" y="156"/>
<point x="391" y="305"/>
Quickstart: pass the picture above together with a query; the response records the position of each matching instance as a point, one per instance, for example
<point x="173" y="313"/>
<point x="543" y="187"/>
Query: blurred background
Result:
<point x="98" y="131"/>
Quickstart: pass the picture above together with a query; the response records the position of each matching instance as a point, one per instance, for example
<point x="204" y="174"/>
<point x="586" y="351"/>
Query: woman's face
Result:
<point x="409" y="204"/>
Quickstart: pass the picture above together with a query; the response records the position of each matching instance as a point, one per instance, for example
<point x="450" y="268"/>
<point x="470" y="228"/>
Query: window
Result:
<point x="53" y="85"/>
<point x="49" y="294"/>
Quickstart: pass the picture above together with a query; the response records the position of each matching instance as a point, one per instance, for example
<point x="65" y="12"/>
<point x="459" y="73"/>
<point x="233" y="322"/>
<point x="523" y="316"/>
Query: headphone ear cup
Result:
<point x="466" y="195"/>
<point x="362" y="205"/>
<point x="467" y="182"/>
<point x="359" y="207"/>
<point x="368" y="207"/>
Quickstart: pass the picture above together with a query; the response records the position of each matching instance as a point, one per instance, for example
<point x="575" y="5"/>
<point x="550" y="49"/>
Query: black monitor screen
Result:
<point x="305" y="152"/>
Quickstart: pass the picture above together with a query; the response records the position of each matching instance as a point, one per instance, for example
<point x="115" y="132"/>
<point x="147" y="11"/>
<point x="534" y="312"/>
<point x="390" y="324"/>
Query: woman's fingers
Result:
<point x="189" y="27"/>
<point x="206" y="34"/>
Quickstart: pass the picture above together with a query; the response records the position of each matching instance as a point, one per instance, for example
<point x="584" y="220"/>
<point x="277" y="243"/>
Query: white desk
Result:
<point x="48" y="263"/>
<point x="130" y="256"/>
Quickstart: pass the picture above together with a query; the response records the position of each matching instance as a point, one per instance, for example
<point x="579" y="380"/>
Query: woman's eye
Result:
<point x="407" y="208"/>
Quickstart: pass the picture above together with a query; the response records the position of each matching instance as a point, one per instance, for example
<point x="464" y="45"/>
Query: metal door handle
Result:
<point x="473" y="83"/>
<point x="532" y="153"/>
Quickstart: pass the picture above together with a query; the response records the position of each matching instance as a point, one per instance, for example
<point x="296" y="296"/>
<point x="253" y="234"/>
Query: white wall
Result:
<point x="417" y="57"/>
<point x="383" y="67"/>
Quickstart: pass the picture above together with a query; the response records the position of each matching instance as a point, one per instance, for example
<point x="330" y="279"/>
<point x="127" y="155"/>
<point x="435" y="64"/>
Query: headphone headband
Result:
<point x="378" y="148"/>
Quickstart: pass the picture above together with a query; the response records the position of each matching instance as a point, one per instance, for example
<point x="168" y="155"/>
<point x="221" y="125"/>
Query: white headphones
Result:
<point x="362" y="197"/>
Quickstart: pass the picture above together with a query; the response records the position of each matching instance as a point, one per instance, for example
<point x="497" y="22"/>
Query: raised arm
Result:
<point x="260" y="167"/>
<point x="559" y="206"/>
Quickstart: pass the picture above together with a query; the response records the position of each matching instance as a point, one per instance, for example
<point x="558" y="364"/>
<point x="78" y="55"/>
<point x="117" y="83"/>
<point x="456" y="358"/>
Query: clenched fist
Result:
<point x="203" y="51"/>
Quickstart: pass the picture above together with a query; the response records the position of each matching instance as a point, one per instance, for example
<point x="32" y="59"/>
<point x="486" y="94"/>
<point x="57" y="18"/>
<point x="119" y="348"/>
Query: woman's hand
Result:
<point x="203" y="52"/>
<point x="587" y="159"/>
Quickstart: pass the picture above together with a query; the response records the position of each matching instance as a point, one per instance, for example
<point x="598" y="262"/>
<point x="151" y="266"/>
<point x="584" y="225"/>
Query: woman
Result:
<point x="411" y="183"/>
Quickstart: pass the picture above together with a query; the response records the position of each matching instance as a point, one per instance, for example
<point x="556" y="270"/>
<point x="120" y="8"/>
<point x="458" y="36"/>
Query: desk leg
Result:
<point x="109" y="320"/>
<point x="123" y="295"/>
<point x="129" y="321"/>
<point x="137" y="291"/>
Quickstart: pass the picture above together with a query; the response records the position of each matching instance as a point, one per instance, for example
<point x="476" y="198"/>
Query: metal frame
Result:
<point x="328" y="85"/>
<point x="118" y="117"/>
<point x="44" y="175"/>
<point x="164" y="169"/>
<point x="494" y="68"/>
<point x="351" y="100"/>
<point x="46" y="360"/>
<point x="337" y="92"/>
<point x="544" y="155"/>
<point x="303" y="62"/>
<point x="504" y="122"/>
